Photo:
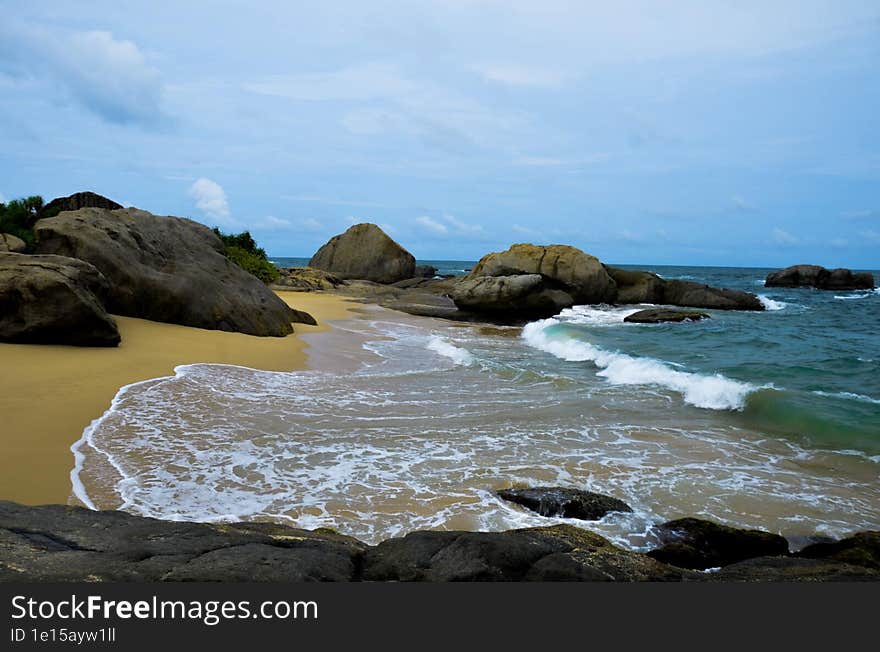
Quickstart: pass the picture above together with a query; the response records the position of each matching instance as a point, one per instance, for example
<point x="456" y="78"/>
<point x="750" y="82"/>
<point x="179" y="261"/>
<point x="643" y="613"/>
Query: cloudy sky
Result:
<point x="691" y="132"/>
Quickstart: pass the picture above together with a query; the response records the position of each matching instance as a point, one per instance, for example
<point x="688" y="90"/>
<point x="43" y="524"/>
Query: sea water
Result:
<point x="760" y="419"/>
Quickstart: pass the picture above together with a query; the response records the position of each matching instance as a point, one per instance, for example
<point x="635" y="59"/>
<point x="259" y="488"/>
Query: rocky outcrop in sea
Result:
<point x="820" y="278"/>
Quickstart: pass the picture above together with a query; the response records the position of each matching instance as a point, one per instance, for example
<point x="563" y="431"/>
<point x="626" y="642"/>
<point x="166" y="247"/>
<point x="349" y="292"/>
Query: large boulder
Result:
<point x="366" y="252"/>
<point x="700" y="295"/>
<point x="565" y="502"/>
<point x="11" y="243"/>
<point x="580" y="275"/>
<point x="814" y="276"/>
<point x="700" y="544"/>
<point x="53" y="300"/>
<point x="76" y="201"/>
<point x="636" y="287"/>
<point x="166" y="269"/>
<point x="517" y="298"/>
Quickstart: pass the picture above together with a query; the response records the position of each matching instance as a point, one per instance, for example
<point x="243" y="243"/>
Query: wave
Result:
<point x="862" y="295"/>
<point x="455" y="353"/>
<point x="771" y="304"/>
<point x="849" y="395"/>
<point x="761" y="281"/>
<point x="598" y="316"/>
<point x="714" y="392"/>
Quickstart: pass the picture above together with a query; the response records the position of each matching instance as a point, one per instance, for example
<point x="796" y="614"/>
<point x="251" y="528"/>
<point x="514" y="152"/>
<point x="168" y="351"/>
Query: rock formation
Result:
<point x="166" y="269"/>
<point x="565" y="502"/>
<point x="53" y="300"/>
<point x="814" y="276"/>
<point x="11" y="243"/>
<point x="365" y="252"/>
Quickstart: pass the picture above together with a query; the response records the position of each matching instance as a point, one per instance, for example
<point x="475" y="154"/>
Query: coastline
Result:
<point x="50" y="394"/>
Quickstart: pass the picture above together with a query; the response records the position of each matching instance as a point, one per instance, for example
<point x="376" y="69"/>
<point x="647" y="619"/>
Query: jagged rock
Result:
<point x="565" y="502"/>
<point x="660" y="315"/>
<point x="860" y="549"/>
<point x="700" y="544"/>
<point x="166" y="269"/>
<point x="306" y="279"/>
<point x="512" y="298"/>
<point x="557" y="553"/>
<point x="815" y="276"/>
<point x="53" y="300"/>
<point x="76" y="201"/>
<point x="366" y="252"/>
<point x="567" y="268"/>
<point x="12" y="244"/>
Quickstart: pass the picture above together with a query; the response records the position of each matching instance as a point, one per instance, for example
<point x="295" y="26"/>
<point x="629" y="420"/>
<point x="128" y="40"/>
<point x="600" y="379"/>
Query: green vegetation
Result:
<point x="18" y="216"/>
<point x="242" y="250"/>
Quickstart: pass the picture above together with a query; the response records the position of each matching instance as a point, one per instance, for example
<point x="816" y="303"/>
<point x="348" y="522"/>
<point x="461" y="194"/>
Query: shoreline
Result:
<point x="49" y="394"/>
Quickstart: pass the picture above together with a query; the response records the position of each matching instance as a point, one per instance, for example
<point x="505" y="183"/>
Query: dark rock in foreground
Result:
<point x="365" y="252"/>
<point x="76" y="201"/>
<point x="519" y="297"/>
<point x="699" y="544"/>
<point x="12" y="244"/>
<point x="558" y="553"/>
<point x="660" y="315"/>
<point x="815" y="276"/>
<point x="861" y="549"/>
<point x="53" y="300"/>
<point x="166" y="269"/>
<point x="59" y="543"/>
<point x="565" y="502"/>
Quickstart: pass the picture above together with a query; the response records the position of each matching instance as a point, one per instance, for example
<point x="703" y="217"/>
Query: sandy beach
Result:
<point x="49" y="394"/>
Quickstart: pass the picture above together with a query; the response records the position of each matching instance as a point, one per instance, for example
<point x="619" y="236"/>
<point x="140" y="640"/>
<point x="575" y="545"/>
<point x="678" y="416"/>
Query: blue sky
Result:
<point x="648" y="132"/>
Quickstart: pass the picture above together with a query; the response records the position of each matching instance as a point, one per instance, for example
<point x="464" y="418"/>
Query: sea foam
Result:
<point x="714" y="392"/>
<point x="771" y="304"/>
<point x="455" y="353"/>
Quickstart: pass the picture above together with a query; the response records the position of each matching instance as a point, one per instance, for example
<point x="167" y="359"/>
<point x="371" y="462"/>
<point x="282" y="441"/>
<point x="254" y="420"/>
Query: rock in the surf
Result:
<point x="563" y="267"/>
<point x="636" y="287"/>
<point x="700" y="544"/>
<point x="646" y="287"/>
<point x="565" y="502"/>
<point x="166" y="269"/>
<point x="11" y="243"/>
<point x="661" y="315"/>
<point x="514" y="298"/>
<point x="365" y="252"/>
<point x="860" y="549"/>
<point x="815" y="276"/>
<point x="53" y="300"/>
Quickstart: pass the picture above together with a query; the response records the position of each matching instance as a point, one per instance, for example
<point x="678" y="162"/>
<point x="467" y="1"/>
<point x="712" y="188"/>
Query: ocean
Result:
<point x="768" y="420"/>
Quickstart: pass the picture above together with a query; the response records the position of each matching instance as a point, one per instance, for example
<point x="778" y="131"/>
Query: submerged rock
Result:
<point x="700" y="544"/>
<point x="166" y="269"/>
<point x="660" y="315"/>
<point x="815" y="276"/>
<point x="53" y="300"/>
<point x="366" y="252"/>
<point x="565" y="502"/>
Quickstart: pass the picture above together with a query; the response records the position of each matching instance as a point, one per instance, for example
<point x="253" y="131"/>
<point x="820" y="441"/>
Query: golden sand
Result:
<point x="49" y="394"/>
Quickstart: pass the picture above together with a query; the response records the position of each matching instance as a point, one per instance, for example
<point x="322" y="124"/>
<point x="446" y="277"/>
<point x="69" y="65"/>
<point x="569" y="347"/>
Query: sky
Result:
<point x="642" y="131"/>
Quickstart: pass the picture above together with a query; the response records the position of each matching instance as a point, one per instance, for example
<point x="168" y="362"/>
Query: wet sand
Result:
<point x="49" y="394"/>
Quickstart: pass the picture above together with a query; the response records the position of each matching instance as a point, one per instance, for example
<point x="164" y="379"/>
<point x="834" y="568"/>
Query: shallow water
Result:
<point x="765" y="420"/>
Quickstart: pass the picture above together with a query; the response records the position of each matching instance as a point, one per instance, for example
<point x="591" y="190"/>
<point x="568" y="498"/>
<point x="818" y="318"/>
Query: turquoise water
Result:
<point x="758" y="419"/>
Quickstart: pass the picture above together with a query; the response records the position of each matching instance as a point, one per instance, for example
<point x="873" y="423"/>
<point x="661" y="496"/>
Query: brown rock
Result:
<point x="365" y="252"/>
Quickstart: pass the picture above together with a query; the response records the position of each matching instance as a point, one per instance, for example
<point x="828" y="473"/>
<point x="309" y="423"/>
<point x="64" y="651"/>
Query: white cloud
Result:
<point x="519" y="75"/>
<point x="740" y="204"/>
<point x="432" y="225"/>
<point x="523" y="230"/>
<point x="109" y="76"/>
<point x="784" y="237"/>
<point x="211" y="200"/>
<point x="463" y="227"/>
<point x="272" y="223"/>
